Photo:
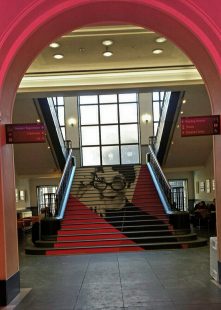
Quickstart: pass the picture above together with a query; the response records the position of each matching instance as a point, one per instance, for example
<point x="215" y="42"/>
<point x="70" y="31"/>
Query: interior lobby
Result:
<point x="74" y="51"/>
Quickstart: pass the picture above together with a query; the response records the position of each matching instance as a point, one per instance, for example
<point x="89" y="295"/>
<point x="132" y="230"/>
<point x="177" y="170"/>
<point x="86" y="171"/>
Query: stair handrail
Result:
<point x="57" y="126"/>
<point x="162" y="185"/>
<point x="64" y="186"/>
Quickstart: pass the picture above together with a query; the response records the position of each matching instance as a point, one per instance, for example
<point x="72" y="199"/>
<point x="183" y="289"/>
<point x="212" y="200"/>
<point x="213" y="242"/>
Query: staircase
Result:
<point x="114" y="209"/>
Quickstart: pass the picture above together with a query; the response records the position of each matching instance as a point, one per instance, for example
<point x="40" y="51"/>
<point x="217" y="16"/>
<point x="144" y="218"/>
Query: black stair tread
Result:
<point x="176" y="232"/>
<point x="191" y="235"/>
<point x="116" y="227"/>
<point x="148" y="216"/>
<point x="122" y="221"/>
<point x="145" y="244"/>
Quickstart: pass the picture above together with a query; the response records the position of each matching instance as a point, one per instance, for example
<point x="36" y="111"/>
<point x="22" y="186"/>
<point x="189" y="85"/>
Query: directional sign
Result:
<point x="200" y="125"/>
<point x="25" y="133"/>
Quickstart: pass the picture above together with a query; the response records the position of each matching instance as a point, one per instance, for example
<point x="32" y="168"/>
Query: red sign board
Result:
<point x="200" y="125"/>
<point x="25" y="133"/>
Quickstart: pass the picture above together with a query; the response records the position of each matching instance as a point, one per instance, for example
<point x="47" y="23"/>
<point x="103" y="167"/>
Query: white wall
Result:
<point x="145" y="106"/>
<point x="22" y="184"/>
<point x="71" y="112"/>
<point x="201" y="175"/>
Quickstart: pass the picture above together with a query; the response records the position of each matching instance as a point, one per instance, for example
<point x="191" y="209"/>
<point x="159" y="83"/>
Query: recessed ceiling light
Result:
<point x="107" y="54"/>
<point x="184" y="101"/>
<point x="160" y="40"/>
<point x="38" y="120"/>
<point x="58" y="56"/>
<point x="49" y="147"/>
<point x="107" y="42"/>
<point x="181" y="112"/>
<point x="54" y="45"/>
<point x="157" y="51"/>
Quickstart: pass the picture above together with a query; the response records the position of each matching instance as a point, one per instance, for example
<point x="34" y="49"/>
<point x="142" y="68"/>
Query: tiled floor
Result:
<point x="171" y="279"/>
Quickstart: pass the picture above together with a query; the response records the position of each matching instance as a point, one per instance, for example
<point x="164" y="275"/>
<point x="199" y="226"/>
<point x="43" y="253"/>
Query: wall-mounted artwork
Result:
<point x="208" y="188"/>
<point x="213" y="185"/>
<point x="16" y="195"/>
<point x="22" y="195"/>
<point x="202" y="186"/>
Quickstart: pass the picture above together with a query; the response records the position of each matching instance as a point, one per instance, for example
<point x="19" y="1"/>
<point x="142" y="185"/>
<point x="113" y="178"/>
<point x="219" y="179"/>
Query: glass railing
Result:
<point x="164" y="110"/>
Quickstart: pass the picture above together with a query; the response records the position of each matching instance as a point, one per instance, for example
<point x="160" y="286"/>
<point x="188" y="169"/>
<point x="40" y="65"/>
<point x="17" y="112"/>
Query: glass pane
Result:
<point x="60" y="100"/>
<point x="63" y="132"/>
<point x="108" y="114"/>
<point x="155" y="127"/>
<point x="156" y="96"/>
<point x="109" y="135"/>
<point x="162" y="95"/>
<point x="110" y="155"/>
<point x="91" y="156"/>
<point x="128" y="97"/>
<point x="88" y="99"/>
<point x="90" y="135"/>
<point x="128" y="113"/>
<point x="89" y="115"/>
<point x="60" y="112"/>
<point x="129" y="133"/>
<point x="129" y="154"/>
<point x="108" y="98"/>
<point x="156" y="111"/>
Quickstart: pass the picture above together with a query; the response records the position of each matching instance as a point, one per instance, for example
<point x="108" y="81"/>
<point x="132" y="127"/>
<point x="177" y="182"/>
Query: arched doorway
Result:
<point x="28" y="28"/>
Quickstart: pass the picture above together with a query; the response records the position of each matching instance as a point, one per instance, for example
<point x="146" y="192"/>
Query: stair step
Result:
<point x="106" y="228"/>
<point x="116" y="240"/>
<point x="116" y="248"/>
<point x="129" y="233"/>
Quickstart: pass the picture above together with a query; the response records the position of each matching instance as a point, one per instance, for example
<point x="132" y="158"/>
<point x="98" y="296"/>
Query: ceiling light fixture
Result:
<point x="181" y="112"/>
<point x="38" y="120"/>
<point x="107" y="53"/>
<point x="54" y="45"/>
<point x="157" y="51"/>
<point x="184" y="101"/>
<point x="160" y="40"/>
<point x="58" y="56"/>
<point x="107" y="42"/>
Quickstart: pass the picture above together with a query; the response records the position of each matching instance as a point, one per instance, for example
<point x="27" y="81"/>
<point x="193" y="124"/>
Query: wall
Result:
<point x="23" y="184"/>
<point x="71" y="114"/>
<point x="201" y="175"/>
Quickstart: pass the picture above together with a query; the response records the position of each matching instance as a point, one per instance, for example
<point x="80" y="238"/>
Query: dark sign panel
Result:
<point x="200" y="125"/>
<point x="25" y="133"/>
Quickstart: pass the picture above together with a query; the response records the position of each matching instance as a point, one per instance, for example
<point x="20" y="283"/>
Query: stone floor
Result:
<point x="169" y="279"/>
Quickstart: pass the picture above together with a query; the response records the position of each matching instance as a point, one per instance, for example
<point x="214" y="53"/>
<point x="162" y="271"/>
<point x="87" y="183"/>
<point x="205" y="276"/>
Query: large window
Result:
<point x="109" y="129"/>
<point x="158" y="99"/>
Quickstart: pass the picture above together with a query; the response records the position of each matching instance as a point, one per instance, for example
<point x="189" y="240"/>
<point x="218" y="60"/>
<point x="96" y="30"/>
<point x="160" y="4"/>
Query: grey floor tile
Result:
<point x="99" y="297"/>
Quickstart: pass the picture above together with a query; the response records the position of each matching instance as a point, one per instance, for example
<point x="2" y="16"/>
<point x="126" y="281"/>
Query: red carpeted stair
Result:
<point x="108" y="218"/>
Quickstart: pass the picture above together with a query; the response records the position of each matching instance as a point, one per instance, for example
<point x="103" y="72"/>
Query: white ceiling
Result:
<point x="84" y="68"/>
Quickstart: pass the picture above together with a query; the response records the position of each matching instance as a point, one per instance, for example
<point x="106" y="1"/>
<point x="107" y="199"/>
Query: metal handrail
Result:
<point x="64" y="182"/>
<point x="161" y="178"/>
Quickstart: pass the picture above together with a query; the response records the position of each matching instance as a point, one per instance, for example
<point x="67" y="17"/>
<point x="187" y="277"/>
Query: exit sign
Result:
<point x="200" y="125"/>
<point x="25" y="133"/>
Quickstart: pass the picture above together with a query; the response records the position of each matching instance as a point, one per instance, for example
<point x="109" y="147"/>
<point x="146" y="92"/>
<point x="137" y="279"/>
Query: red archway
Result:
<point x="29" y="26"/>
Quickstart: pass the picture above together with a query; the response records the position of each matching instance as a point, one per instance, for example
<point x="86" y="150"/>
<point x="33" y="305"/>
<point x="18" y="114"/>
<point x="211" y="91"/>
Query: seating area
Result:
<point x="25" y="223"/>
